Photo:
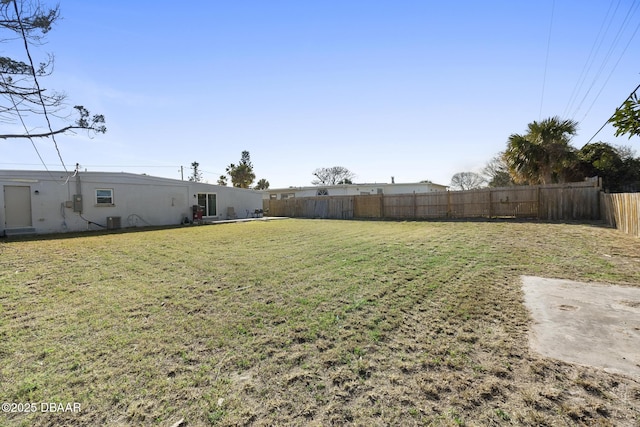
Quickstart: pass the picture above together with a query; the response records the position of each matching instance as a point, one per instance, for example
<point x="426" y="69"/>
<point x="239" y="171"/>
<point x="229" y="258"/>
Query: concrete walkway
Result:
<point x="229" y="221"/>
<point x="586" y="323"/>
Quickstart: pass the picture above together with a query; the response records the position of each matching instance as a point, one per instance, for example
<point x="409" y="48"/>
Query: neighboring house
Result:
<point x="53" y="202"/>
<point x="352" y="190"/>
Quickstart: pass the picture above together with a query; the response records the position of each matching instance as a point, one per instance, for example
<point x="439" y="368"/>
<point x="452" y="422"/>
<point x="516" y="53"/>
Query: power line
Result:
<point x="632" y="10"/>
<point x="546" y="62"/>
<point x="593" y="53"/>
<point x="213" y="173"/>
<point x="130" y="166"/>
<point x="101" y="166"/>
<point x="612" y="70"/>
<point x="614" y="113"/>
<point x="24" y="125"/>
<point x="35" y="80"/>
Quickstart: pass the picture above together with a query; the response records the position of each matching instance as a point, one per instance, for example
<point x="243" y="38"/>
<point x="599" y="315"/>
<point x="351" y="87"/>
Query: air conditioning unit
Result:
<point x="113" y="222"/>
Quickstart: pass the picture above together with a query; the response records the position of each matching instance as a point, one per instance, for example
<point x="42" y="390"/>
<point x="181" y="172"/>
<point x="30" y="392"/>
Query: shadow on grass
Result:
<point x="595" y="223"/>
<point x="88" y="233"/>
<point x="142" y="229"/>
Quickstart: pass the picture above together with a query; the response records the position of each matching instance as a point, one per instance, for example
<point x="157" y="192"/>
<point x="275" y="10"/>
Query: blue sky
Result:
<point x="411" y="89"/>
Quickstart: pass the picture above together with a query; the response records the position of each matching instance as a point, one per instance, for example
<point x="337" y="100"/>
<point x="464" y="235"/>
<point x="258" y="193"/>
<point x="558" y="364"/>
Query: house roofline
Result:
<point x="368" y="184"/>
<point x="88" y="175"/>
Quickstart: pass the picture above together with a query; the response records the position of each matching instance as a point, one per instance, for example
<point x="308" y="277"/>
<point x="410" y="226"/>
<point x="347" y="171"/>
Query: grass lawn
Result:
<point x="299" y="322"/>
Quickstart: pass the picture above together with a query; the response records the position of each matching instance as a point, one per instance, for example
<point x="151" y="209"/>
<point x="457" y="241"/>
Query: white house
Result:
<point x="352" y="190"/>
<point x="53" y="202"/>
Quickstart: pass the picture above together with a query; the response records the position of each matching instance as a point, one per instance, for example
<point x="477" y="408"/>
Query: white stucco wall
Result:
<point x="139" y="200"/>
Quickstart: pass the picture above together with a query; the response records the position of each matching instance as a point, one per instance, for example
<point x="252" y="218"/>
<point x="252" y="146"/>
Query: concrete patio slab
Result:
<point x="591" y="324"/>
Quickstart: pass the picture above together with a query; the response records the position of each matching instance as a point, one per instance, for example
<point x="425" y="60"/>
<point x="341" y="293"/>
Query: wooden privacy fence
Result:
<point x="575" y="201"/>
<point x="622" y="211"/>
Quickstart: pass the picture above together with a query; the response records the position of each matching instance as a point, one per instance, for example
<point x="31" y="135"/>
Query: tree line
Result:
<point x="241" y="174"/>
<point x="543" y="155"/>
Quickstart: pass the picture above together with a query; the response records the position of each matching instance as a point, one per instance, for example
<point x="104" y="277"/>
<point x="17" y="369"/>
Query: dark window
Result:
<point x="104" y="196"/>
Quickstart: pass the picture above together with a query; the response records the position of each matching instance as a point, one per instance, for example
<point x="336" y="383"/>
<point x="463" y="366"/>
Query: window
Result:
<point x="273" y="196"/>
<point x="284" y="196"/>
<point x="104" y="197"/>
<point x="322" y="192"/>
<point x="208" y="203"/>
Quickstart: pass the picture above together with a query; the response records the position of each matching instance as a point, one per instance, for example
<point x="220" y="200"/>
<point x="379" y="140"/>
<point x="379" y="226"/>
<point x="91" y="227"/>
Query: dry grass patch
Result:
<point x="303" y="322"/>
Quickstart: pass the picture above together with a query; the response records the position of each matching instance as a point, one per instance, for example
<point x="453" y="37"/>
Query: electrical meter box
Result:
<point x="77" y="202"/>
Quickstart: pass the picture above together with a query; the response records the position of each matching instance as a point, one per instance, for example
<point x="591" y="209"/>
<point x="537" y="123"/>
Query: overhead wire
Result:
<point x="33" y="144"/>
<point x="632" y="10"/>
<point x="546" y="62"/>
<point x="37" y="84"/>
<point x="213" y="173"/>
<point x="130" y="166"/>
<point x="24" y="125"/>
<point x="593" y="53"/>
<point x="605" y="123"/>
<point x="612" y="70"/>
<point x="123" y="167"/>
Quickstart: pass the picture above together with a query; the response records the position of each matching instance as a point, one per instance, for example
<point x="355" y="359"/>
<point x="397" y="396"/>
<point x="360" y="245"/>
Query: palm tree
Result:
<point x="242" y="175"/>
<point x="262" y="184"/>
<point x="543" y="155"/>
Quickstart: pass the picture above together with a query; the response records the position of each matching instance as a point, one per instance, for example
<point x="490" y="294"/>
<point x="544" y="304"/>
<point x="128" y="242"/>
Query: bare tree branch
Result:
<point x="22" y="99"/>
<point x="332" y="176"/>
<point x="84" y="122"/>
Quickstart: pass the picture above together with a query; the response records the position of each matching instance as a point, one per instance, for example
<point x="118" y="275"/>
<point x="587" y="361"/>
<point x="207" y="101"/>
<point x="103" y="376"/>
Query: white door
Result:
<point x="17" y="206"/>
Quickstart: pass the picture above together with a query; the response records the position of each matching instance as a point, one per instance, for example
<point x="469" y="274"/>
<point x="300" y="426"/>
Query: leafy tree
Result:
<point x="626" y="119"/>
<point x="542" y="155"/>
<point x="631" y="176"/>
<point x="196" y="175"/>
<point x="467" y="181"/>
<point x="22" y="97"/>
<point x="333" y="176"/>
<point x="262" y="184"/>
<point x="242" y="175"/>
<point x="222" y="180"/>
<point x="617" y="167"/>
<point x="496" y="172"/>
<point x="625" y="151"/>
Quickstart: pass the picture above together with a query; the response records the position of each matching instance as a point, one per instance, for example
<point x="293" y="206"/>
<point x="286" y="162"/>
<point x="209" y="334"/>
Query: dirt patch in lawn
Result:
<point x="586" y="323"/>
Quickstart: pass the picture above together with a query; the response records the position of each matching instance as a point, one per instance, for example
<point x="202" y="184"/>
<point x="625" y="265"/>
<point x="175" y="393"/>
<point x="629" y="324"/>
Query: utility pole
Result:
<point x="182" y="173"/>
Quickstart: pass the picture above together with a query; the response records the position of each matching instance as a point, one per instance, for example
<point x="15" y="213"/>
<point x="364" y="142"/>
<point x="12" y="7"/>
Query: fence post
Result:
<point x="490" y="205"/>
<point x="538" y="201"/>
<point x="448" y="204"/>
<point x="355" y="206"/>
<point x="415" y="203"/>
<point x="382" y="206"/>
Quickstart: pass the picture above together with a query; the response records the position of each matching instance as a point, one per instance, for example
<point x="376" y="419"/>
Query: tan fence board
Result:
<point x="575" y="201"/>
<point x="622" y="211"/>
